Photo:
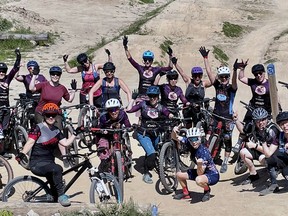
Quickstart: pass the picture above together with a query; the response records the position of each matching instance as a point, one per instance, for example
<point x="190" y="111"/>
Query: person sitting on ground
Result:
<point x="42" y="141"/>
<point x="206" y="173"/>
<point x="90" y="75"/>
<point x="116" y="118"/>
<point x="261" y="131"/>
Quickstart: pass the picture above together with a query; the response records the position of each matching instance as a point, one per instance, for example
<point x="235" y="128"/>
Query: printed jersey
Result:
<point x="51" y="94"/>
<point x="47" y="140"/>
<point x="105" y="120"/>
<point x="88" y="80"/>
<point x="195" y="94"/>
<point x="4" y="87"/>
<point x="270" y="134"/>
<point x="110" y="91"/>
<point x="225" y="96"/>
<point x="260" y="94"/>
<point x="146" y="75"/>
<point x="170" y="96"/>
<point x="27" y="80"/>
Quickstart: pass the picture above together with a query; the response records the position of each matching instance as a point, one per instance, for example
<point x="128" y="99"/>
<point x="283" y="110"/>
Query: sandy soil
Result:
<point x="189" y="24"/>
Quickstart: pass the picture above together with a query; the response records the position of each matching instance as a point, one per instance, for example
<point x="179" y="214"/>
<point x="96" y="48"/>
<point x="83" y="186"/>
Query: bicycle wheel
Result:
<point x="185" y="161"/>
<point x="168" y="166"/>
<point x="26" y="189"/>
<point x="118" y="170"/>
<point x="6" y="173"/>
<point x="97" y="193"/>
<point x="84" y="121"/>
<point x="73" y="148"/>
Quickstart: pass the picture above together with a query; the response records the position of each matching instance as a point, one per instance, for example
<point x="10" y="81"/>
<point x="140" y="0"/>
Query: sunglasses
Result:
<point x="114" y="109"/>
<point x="258" y="73"/>
<point x="152" y="95"/>
<point x="196" y="75"/>
<point x="147" y="60"/>
<point x="50" y="115"/>
<point x="226" y="77"/>
<point x="109" y="71"/>
<point x="172" y="78"/>
<point x="3" y="72"/>
<point x="55" y="74"/>
<point x="193" y="139"/>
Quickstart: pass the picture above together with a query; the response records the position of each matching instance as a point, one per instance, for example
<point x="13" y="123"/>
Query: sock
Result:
<point x="206" y="188"/>
<point x="225" y="160"/>
<point x="185" y="190"/>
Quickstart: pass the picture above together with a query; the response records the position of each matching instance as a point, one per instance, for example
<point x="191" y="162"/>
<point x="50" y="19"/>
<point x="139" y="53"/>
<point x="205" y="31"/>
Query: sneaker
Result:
<point x="250" y="179"/>
<point x="181" y="196"/>
<point x="1" y="134"/>
<point x="273" y="188"/>
<point x="223" y="168"/>
<point x="147" y="179"/>
<point x="64" y="200"/>
<point x="66" y="163"/>
<point x="206" y="195"/>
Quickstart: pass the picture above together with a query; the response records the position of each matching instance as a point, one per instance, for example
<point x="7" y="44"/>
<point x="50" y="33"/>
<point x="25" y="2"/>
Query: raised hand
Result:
<point x="73" y="84"/>
<point x="125" y="42"/>
<point x="108" y="52"/>
<point x="174" y="60"/>
<point x="65" y="57"/>
<point x="204" y="52"/>
<point x="169" y="51"/>
<point x="240" y="65"/>
<point x="135" y="94"/>
<point x="18" y="58"/>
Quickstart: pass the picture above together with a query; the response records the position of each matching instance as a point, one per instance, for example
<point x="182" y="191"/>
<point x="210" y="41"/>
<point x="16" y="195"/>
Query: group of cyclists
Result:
<point x="259" y="139"/>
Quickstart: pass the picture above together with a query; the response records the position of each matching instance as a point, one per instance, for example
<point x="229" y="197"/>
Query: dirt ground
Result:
<point x="189" y="24"/>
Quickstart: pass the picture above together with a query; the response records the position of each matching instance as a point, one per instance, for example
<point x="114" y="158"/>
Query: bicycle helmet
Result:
<point x="283" y="116"/>
<point x="259" y="113"/>
<point x="56" y="69"/>
<point x="193" y="132"/>
<point x="50" y="108"/>
<point x="172" y="74"/>
<point x="32" y="64"/>
<point x="196" y="70"/>
<point x="153" y="90"/>
<point x="223" y="70"/>
<point x="82" y="58"/>
<point x="3" y="67"/>
<point x="148" y="55"/>
<point x="258" y="68"/>
<point x="111" y="103"/>
<point x="109" y="66"/>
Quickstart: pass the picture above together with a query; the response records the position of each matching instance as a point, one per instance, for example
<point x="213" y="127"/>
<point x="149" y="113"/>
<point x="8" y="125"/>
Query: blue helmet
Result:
<point x="148" y="55"/>
<point x="153" y="90"/>
<point x="196" y="70"/>
<point x="56" y="69"/>
<point x="32" y="64"/>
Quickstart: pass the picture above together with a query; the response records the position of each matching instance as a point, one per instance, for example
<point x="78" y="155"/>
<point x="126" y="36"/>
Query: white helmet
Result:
<point x="223" y="70"/>
<point x="193" y="132"/>
<point x="112" y="102"/>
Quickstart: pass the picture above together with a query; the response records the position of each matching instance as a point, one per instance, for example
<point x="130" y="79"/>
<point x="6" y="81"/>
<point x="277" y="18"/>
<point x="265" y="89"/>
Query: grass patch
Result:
<point x="164" y="46"/>
<point x="271" y="61"/>
<point x="6" y="213"/>
<point x="220" y="55"/>
<point x="285" y="32"/>
<point x="5" y="25"/>
<point x="147" y="1"/>
<point x="232" y="30"/>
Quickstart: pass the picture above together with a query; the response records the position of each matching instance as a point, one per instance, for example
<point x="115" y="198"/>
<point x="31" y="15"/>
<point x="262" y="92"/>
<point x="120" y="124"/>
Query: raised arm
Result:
<point x="32" y="86"/>
<point x="184" y="76"/>
<point x="241" y="66"/>
<point x="67" y="66"/>
<point x="205" y="53"/>
<point x="126" y="89"/>
<point x="234" y="79"/>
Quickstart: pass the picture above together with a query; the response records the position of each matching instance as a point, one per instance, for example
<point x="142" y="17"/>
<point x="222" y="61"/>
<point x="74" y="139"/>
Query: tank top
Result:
<point x="110" y="91"/>
<point x="88" y="80"/>
<point x="195" y="94"/>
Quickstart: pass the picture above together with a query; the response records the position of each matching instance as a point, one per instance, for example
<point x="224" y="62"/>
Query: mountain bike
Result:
<point x="104" y="187"/>
<point x="6" y="173"/>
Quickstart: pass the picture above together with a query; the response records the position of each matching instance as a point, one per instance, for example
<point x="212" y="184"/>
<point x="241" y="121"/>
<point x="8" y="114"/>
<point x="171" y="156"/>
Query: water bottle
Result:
<point x="154" y="210"/>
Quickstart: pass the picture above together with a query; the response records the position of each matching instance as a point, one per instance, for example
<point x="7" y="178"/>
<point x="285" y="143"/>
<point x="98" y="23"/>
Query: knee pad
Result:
<point x="228" y="142"/>
<point x="150" y="161"/>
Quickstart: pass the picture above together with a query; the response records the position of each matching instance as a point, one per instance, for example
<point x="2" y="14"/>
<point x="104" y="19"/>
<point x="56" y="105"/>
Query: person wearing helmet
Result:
<point x="206" y="173"/>
<point x="114" y="117"/>
<point x="147" y="73"/>
<point x="110" y="86"/>
<point x="260" y="90"/>
<point x="171" y="93"/>
<point x="5" y="80"/>
<point x="52" y="91"/>
<point x="262" y="132"/>
<point x="90" y="74"/>
<point x="148" y="133"/>
<point x="41" y="143"/>
<point x="224" y="100"/>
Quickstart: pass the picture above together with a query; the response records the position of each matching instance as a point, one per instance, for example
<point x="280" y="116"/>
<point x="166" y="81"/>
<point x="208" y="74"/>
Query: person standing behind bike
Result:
<point x="147" y="73"/>
<point x="150" y="110"/>
<point x="116" y="118"/>
<point x="90" y="75"/>
<point x="225" y="95"/>
<point x="5" y="81"/>
<point x="195" y="92"/>
<point x="109" y="85"/>
<point x="206" y="173"/>
<point x="42" y="141"/>
<point x="170" y="92"/>
<point x="52" y="91"/>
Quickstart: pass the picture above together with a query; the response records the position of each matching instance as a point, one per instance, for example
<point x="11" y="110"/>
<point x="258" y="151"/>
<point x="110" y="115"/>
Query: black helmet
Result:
<point x="55" y="69"/>
<point x="283" y="116"/>
<point x="259" y="113"/>
<point x="109" y="66"/>
<point x="172" y="74"/>
<point x="3" y="67"/>
<point x="82" y="58"/>
<point x="258" y="68"/>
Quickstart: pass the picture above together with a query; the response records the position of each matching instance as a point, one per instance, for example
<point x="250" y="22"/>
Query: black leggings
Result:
<point x="53" y="174"/>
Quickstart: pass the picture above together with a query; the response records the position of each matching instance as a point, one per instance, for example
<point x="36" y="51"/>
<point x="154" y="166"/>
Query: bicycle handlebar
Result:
<point x="78" y="106"/>
<point x="87" y="154"/>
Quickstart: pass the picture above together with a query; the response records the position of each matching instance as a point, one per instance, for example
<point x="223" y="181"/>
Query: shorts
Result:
<point x="255" y="154"/>
<point x="213" y="178"/>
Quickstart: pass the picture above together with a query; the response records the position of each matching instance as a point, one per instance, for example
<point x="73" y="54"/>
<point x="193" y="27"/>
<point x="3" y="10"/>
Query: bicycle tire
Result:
<point x="6" y="173"/>
<point x="168" y="166"/>
<point x="21" y="189"/>
<point x="73" y="148"/>
<point x="240" y="166"/>
<point x="185" y="161"/>
<point x="112" y="186"/>
<point x="118" y="170"/>
<point x="82" y="122"/>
